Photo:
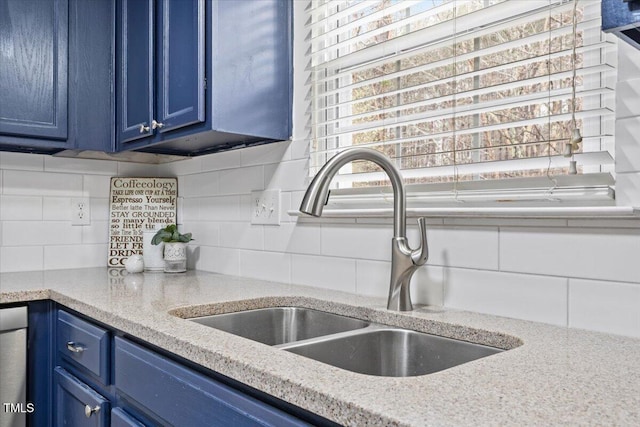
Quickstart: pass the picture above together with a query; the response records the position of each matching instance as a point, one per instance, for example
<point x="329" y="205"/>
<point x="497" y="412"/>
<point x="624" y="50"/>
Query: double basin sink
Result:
<point x="352" y="344"/>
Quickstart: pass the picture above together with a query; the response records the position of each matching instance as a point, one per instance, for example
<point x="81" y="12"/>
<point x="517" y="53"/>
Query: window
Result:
<point x="472" y="99"/>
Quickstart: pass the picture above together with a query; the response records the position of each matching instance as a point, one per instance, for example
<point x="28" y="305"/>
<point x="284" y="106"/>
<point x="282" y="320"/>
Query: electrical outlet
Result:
<point x="265" y="207"/>
<point x="80" y="211"/>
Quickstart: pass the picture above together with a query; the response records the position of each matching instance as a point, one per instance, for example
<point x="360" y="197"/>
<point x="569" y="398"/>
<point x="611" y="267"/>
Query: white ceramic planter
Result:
<point x="175" y="257"/>
<point x="153" y="257"/>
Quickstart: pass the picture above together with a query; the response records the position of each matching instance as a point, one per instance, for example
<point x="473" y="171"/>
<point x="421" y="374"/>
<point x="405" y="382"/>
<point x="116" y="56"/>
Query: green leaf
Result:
<point x="170" y="234"/>
<point x="160" y="236"/>
<point x="185" y="238"/>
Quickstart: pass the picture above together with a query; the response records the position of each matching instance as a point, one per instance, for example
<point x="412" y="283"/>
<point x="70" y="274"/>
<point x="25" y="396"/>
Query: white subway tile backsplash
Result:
<point x="204" y="233"/>
<point x="427" y="285"/>
<point x="20" y="208"/>
<point x="241" y="235"/>
<point x="74" y="256"/>
<point x="264" y="154"/>
<point x="188" y="166"/>
<point x="469" y="247"/>
<point x="218" y="260"/>
<point x="96" y="185"/>
<point x="99" y="209"/>
<point x="74" y="165"/>
<point x="529" y="297"/>
<point x="19" y="161"/>
<point x="285" y="207"/>
<point x="325" y="272"/>
<point x="128" y="169"/>
<point x="299" y="149"/>
<point x="628" y="144"/>
<point x="219" y="161"/>
<point x="363" y="242"/>
<point x="59" y="209"/>
<point x="27" y="233"/>
<point x="190" y="210"/>
<point x="608" y="254"/>
<point x="287" y="176"/>
<point x="275" y="266"/>
<point x="628" y="99"/>
<point x="372" y="279"/>
<point x="246" y="208"/>
<point x="96" y="232"/>
<point x="221" y="208"/>
<point x="605" y="306"/>
<point x="30" y="183"/>
<point x="198" y="185"/>
<point x="293" y="238"/>
<point x="21" y="258"/>
<point x="628" y="189"/>
<point x="241" y="180"/>
<point x="628" y="62"/>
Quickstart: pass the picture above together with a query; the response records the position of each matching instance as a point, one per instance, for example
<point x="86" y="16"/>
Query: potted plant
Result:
<point x="175" y="248"/>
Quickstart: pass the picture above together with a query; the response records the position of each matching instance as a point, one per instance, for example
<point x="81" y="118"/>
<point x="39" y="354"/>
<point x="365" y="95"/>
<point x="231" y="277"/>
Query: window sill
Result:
<point x="595" y="212"/>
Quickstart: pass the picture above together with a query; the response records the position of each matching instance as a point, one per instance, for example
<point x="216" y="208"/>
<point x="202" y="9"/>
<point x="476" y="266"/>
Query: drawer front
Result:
<point x="83" y="344"/>
<point x="119" y="418"/>
<point x="179" y="396"/>
<point x="77" y="404"/>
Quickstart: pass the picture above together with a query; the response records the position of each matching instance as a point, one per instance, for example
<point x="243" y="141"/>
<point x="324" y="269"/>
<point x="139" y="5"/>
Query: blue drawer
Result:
<point x="84" y="345"/>
<point x="77" y="404"/>
<point x="119" y="418"/>
<point x="178" y="396"/>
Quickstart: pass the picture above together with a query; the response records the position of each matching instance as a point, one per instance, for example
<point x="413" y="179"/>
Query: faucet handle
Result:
<point x="420" y="255"/>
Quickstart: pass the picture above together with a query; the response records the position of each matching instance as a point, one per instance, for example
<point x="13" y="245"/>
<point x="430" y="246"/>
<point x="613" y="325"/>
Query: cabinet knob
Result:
<point x="88" y="410"/>
<point x="156" y="125"/>
<point x="76" y="348"/>
<point x="144" y="128"/>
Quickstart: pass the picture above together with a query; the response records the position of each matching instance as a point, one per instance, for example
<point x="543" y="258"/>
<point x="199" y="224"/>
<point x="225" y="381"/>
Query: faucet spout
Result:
<point x="404" y="260"/>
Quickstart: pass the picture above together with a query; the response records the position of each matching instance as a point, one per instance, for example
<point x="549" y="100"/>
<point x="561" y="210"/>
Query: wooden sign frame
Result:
<point x="136" y="204"/>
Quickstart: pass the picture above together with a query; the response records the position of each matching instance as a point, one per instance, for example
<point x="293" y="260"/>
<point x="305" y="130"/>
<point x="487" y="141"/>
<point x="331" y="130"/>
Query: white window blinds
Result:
<point x="473" y="93"/>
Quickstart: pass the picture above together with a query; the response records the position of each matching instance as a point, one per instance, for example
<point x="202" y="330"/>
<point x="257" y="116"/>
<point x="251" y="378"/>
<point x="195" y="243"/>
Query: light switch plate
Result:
<point x="265" y="207"/>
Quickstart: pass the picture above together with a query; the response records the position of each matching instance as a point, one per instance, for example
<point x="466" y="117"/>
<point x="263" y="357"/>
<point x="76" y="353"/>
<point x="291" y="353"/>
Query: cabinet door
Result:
<point x="134" y="69"/>
<point x="176" y="395"/>
<point x="77" y="404"/>
<point x="119" y="418"/>
<point x="181" y="63"/>
<point x="33" y="68"/>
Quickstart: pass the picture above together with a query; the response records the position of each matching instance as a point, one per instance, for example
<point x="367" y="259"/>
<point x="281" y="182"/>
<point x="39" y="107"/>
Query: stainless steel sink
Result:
<point x="392" y="352"/>
<point x="279" y="325"/>
<point x="348" y="343"/>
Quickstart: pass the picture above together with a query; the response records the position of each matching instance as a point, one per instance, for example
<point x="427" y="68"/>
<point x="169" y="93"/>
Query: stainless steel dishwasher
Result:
<point x="13" y="366"/>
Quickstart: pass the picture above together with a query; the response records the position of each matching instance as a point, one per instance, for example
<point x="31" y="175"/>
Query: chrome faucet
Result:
<point x="404" y="260"/>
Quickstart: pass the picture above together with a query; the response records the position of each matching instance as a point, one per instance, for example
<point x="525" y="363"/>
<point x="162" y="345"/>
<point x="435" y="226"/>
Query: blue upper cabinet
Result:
<point x="33" y="69"/>
<point x="55" y="75"/>
<point x="198" y="76"/>
<point x="181" y="64"/>
<point x="161" y="66"/>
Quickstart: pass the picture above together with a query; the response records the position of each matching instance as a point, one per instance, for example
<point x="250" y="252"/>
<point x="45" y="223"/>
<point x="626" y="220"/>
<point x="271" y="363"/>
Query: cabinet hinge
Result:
<point x="205" y="83"/>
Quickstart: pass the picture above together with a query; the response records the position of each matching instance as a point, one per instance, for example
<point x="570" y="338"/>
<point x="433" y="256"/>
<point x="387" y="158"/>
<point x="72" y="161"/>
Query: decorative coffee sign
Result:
<point x="136" y="204"/>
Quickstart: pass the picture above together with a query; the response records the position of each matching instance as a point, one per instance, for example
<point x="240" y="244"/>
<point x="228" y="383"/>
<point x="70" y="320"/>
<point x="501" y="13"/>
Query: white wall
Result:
<point x="577" y="273"/>
<point x="35" y="200"/>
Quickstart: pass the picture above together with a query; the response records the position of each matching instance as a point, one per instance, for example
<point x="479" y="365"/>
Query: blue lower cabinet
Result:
<point x="77" y="404"/>
<point x="175" y="395"/>
<point x="120" y="418"/>
<point x="84" y="346"/>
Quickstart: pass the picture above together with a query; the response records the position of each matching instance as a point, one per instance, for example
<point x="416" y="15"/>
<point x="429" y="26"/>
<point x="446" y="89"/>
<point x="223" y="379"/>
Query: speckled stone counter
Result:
<point x="550" y="375"/>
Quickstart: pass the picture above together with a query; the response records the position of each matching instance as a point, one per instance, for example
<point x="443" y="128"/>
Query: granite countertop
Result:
<point x="551" y="375"/>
